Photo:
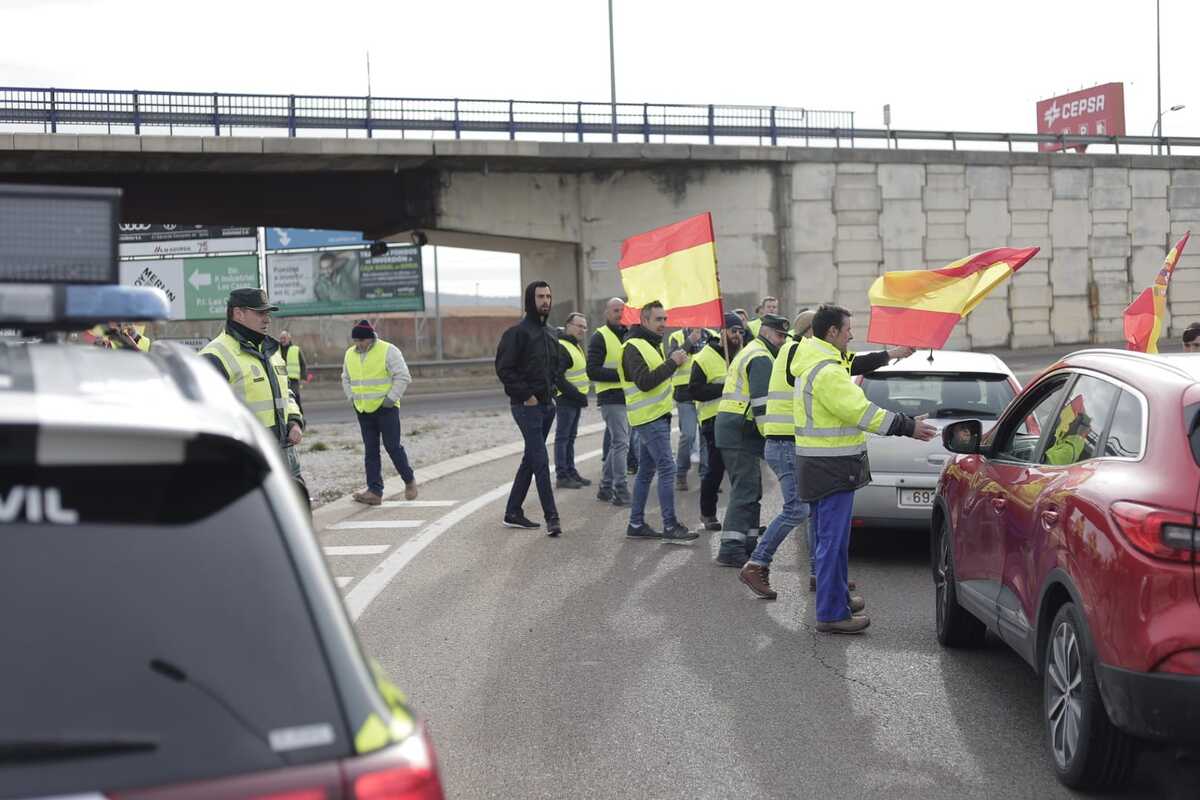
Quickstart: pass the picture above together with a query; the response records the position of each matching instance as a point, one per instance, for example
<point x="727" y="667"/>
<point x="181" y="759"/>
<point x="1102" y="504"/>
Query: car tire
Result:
<point x="956" y="627"/>
<point x="1088" y="752"/>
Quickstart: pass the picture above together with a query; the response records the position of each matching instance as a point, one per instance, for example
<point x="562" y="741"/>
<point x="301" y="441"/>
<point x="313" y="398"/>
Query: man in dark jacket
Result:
<point x="526" y="361"/>
<point x="571" y="391"/>
<point x="705" y="385"/>
<point x="603" y="356"/>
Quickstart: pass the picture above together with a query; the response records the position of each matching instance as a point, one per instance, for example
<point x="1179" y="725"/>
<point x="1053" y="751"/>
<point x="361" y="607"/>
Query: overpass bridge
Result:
<point x="805" y="223"/>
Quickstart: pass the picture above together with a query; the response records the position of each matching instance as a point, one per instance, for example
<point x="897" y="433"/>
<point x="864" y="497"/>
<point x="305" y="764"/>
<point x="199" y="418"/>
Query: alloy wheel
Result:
<point x="1064" y="707"/>
<point x="942" y="577"/>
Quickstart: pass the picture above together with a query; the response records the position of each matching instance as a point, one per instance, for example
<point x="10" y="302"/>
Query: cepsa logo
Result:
<point x="1076" y="108"/>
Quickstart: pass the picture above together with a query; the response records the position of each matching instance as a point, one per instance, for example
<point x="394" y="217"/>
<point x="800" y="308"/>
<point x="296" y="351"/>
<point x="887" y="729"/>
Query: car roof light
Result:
<point x="41" y="307"/>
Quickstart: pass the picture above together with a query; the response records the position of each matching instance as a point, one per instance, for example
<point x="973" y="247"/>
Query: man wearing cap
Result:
<point x="739" y="434"/>
<point x="250" y="360"/>
<point x="706" y="382"/>
<point x="374" y="377"/>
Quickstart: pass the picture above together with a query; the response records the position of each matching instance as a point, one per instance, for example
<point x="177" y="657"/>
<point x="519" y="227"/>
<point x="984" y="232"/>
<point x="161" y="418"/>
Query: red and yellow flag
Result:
<point x="1144" y="316"/>
<point x="676" y="265"/>
<point x="920" y="307"/>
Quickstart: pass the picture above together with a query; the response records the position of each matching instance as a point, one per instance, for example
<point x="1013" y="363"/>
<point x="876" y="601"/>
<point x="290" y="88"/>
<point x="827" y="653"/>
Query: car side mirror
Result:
<point x="963" y="437"/>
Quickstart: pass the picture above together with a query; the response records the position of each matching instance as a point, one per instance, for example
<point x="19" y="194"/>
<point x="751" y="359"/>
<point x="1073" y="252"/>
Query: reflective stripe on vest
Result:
<point x="818" y="432"/>
<point x="247" y="379"/>
<point x="369" y="378"/>
<point x="780" y="419"/>
<point x="736" y="397"/>
<point x="612" y="358"/>
<point x="293" y="363"/>
<point x="576" y="374"/>
<point x="712" y="364"/>
<point x="643" y="407"/>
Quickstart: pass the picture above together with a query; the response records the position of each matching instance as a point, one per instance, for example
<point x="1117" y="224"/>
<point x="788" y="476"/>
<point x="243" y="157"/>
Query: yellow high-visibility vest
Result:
<point x="293" y="363"/>
<point x="612" y="358"/>
<point x="576" y="374"/>
<point x="252" y="385"/>
<point x="780" y="419"/>
<point x="712" y="364"/>
<point x="832" y="414"/>
<point x="736" y="397"/>
<point x="643" y="407"/>
<point x="369" y="378"/>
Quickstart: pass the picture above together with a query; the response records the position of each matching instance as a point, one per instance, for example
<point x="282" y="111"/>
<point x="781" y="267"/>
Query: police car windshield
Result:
<point x="982" y="395"/>
<point x="137" y="614"/>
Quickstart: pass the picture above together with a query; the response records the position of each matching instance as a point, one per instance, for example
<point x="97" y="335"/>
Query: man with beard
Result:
<point x="603" y="361"/>
<point x="704" y="386"/>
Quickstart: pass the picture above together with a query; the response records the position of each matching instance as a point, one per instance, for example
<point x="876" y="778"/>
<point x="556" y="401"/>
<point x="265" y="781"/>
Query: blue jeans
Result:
<point x="616" y="435"/>
<point x="831" y="521"/>
<point x="535" y="423"/>
<point x="566" y="425"/>
<point x="383" y="423"/>
<point x="654" y="441"/>
<point x="781" y="457"/>
<point x="689" y="440"/>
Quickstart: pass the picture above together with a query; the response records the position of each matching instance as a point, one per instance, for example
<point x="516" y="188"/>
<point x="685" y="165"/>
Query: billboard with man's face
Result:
<point x="346" y="281"/>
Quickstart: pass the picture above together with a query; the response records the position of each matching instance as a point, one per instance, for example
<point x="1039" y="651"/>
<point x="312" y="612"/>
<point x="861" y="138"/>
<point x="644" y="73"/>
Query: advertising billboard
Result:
<point x="198" y="288"/>
<point x="298" y="238"/>
<point x="1098" y="111"/>
<point x="176" y="240"/>
<point x="346" y="281"/>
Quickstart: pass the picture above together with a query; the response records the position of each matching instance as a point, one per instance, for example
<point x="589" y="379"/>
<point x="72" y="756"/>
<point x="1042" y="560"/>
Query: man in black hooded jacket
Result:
<point x="526" y="362"/>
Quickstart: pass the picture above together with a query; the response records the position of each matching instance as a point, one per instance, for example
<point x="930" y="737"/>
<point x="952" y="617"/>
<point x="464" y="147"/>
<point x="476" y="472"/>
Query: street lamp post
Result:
<point x="1158" y="63"/>
<point x="1158" y="123"/>
<point x="612" y="69"/>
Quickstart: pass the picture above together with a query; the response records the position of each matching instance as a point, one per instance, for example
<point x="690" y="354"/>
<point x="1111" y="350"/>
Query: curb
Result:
<point x="346" y="506"/>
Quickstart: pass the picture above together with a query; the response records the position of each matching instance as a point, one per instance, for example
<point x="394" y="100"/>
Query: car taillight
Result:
<point x="1185" y="662"/>
<point x="407" y="771"/>
<point x="1157" y="532"/>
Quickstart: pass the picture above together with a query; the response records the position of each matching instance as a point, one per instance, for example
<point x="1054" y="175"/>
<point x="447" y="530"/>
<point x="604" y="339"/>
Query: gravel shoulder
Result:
<point x="331" y="455"/>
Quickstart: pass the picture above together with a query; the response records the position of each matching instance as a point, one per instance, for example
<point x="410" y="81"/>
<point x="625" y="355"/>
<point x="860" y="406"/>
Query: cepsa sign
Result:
<point x="1099" y="111"/>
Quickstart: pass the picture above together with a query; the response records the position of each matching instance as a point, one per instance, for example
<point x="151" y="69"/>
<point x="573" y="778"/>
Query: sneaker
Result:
<point x="681" y="483"/>
<point x="410" y="489"/>
<point x="854" y="624"/>
<point x="812" y="584"/>
<point x="604" y="495"/>
<point x="567" y="482"/>
<point x="710" y="523"/>
<point x="368" y="498"/>
<point x="643" y="531"/>
<point x="732" y="553"/>
<point x="758" y="578"/>
<point x="679" y="534"/>
<point x="621" y="499"/>
<point x="519" y="520"/>
<point x="857" y="603"/>
<point x="582" y="481"/>
<point x="553" y="528"/>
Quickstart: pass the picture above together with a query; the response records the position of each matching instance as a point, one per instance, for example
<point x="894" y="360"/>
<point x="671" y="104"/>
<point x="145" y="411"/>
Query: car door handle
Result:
<point x="999" y="504"/>
<point x="1049" y="518"/>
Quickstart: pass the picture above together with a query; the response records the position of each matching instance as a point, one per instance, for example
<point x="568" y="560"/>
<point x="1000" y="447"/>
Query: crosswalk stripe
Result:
<point x="366" y="524"/>
<point x="418" y="503"/>
<point x="356" y="549"/>
<point x="343" y="581"/>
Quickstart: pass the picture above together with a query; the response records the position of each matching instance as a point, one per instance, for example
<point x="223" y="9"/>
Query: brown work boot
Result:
<point x="758" y="578"/>
<point x="857" y="603"/>
<point x="410" y="489"/>
<point x="812" y="584"/>
<point x="368" y="498"/>
<point x="854" y="624"/>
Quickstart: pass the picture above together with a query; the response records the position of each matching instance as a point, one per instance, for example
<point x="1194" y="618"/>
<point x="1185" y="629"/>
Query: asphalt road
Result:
<point x="592" y="666"/>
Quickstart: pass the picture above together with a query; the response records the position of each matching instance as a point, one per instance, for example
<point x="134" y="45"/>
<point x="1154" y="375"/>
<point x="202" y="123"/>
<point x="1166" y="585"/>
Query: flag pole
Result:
<point x="720" y="295"/>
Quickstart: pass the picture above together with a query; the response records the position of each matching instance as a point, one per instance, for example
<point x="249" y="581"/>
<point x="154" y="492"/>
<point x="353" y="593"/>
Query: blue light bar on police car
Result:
<point x="72" y="307"/>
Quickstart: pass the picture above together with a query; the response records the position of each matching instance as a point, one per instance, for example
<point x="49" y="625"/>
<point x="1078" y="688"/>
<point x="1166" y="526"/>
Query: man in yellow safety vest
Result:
<point x="690" y="341"/>
<point x="603" y="362"/>
<point x="374" y="378"/>
<point x="570" y="393"/>
<point x="705" y="385"/>
<point x="297" y="368"/>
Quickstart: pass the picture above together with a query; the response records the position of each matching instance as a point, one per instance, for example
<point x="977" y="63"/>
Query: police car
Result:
<point x="169" y="627"/>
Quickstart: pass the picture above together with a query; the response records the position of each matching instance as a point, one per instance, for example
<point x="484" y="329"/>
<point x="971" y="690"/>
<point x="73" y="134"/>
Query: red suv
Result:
<point x="1070" y="531"/>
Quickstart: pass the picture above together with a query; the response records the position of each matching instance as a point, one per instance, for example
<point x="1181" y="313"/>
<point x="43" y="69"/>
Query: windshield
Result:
<point x="945" y="395"/>
<point x="153" y="633"/>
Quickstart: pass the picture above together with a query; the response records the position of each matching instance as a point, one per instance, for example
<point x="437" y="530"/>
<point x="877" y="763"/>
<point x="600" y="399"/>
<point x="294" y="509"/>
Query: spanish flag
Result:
<point x="676" y="265"/>
<point x="920" y="307"/>
<point x="1144" y="316"/>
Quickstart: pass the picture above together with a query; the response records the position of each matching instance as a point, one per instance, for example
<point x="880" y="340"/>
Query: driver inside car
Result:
<point x="1071" y="445"/>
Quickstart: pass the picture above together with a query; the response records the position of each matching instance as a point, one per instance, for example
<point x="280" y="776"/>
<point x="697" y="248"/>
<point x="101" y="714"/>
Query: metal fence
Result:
<point x="138" y="112"/>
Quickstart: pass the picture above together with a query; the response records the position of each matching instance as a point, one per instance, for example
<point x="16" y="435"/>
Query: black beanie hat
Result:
<point x="362" y="330"/>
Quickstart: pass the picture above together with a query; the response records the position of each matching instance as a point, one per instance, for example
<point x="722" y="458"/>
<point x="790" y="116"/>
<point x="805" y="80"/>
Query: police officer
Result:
<point x="297" y="368"/>
<point x="705" y="387"/>
<point x="250" y="360"/>
<point x="740" y="438"/>
<point x="690" y="341"/>
<point x="832" y="417"/>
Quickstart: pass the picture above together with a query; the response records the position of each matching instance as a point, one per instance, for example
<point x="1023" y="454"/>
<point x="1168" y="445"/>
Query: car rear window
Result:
<point x="154" y="631"/>
<point x="981" y="395"/>
<point x="1125" y="432"/>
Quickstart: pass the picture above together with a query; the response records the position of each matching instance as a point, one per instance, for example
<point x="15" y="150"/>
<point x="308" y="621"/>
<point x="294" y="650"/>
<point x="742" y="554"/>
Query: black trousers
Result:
<point x="716" y="470"/>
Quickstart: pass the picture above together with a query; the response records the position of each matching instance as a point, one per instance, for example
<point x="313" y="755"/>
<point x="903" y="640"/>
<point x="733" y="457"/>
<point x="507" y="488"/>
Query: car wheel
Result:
<point x="955" y="625"/>
<point x="1088" y="751"/>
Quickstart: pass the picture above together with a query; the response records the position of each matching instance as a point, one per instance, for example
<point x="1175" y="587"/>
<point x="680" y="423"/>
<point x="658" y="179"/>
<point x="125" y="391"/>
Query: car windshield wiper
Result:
<point x="963" y="412"/>
<point x="13" y="751"/>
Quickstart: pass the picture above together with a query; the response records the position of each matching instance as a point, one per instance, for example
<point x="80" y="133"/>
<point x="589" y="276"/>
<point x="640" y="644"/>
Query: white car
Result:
<point x="948" y="386"/>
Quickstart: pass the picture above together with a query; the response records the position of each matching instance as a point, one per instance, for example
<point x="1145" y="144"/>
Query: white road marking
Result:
<point x="342" y="582"/>
<point x="356" y="549"/>
<point x="365" y="524"/>
<point x="370" y="587"/>
<point x="418" y="503"/>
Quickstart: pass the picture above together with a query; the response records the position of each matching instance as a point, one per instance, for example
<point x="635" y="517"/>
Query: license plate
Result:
<point x="916" y="498"/>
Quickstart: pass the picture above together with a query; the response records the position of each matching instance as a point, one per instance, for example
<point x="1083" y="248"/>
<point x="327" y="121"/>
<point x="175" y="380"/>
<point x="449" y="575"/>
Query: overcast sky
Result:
<point x="965" y="65"/>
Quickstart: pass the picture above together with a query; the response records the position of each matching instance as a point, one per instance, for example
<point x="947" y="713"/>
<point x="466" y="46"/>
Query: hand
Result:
<point x="678" y="356"/>
<point x="694" y="336"/>
<point x="295" y="434"/>
<point x="900" y="352"/>
<point x="924" y="430"/>
<point x="389" y="402"/>
<point x="532" y="401"/>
